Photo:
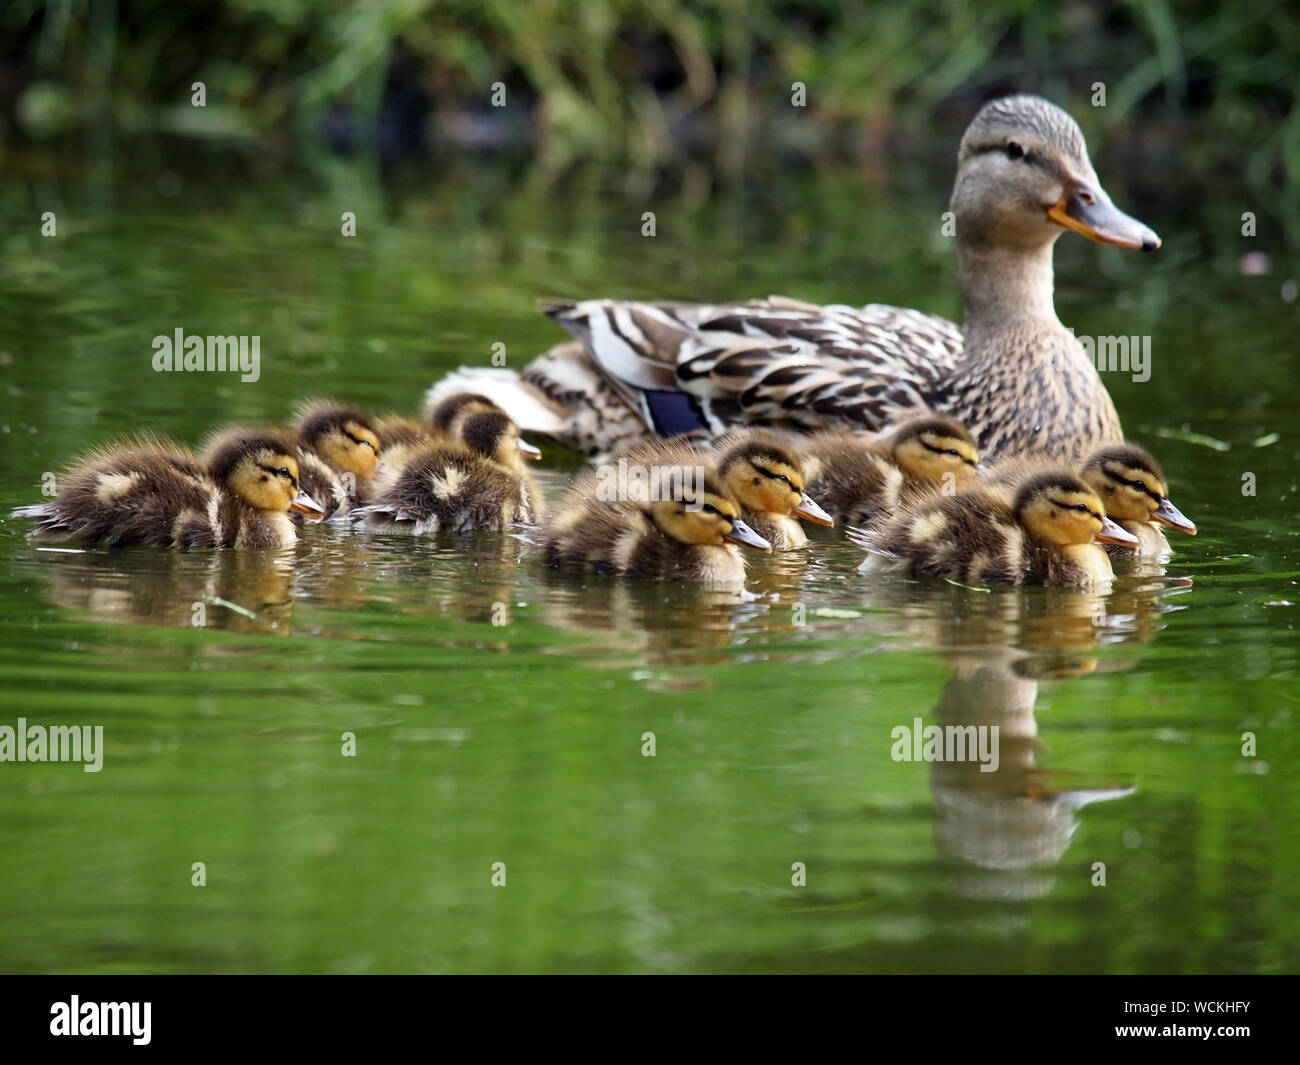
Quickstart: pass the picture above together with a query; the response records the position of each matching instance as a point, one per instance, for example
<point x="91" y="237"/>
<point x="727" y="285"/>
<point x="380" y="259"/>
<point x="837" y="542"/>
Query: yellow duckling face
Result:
<point x="343" y="436"/>
<point x="933" y="448"/>
<point x="1060" y="508"/>
<point x="260" y="468"/>
<point x="765" y="477"/>
<point x="1132" y="487"/>
<point x="494" y="435"/>
<point x="1024" y="176"/>
<point x="351" y="447"/>
<point x="705" y="516"/>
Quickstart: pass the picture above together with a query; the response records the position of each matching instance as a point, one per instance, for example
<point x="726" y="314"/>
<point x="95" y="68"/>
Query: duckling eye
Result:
<point x="283" y="471"/>
<point x="1014" y="151"/>
<point x="709" y="508"/>
<point x="953" y="451"/>
<point x="1082" y="508"/>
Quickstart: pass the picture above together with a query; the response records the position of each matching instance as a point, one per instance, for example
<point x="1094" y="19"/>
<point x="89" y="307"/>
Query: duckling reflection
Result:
<point x="237" y="591"/>
<point x="631" y="622"/>
<point x="1003" y="831"/>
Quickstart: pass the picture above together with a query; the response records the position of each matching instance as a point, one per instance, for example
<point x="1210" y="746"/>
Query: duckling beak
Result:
<point x="1114" y="534"/>
<point x="1168" y="514"/>
<point x="745" y="536"/>
<point x="810" y="511"/>
<point x="304" y="504"/>
<point x="1085" y="208"/>
<point x="528" y="450"/>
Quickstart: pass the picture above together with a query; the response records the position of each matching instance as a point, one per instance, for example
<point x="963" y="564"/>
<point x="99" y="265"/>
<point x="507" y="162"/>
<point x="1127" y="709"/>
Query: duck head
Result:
<point x="1024" y="177"/>
<point x="1059" y="507"/>
<point x="702" y="513"/>
<point x="343" y="436"/>
<point x="933" y="447"/>
<point x="491" y="433"/>
<point x="260" y="467"/>
<point x="1132" y="487"/>
<point x="763" y="475"/>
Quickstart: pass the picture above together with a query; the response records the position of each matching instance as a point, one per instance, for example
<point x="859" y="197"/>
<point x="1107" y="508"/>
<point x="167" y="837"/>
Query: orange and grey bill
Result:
<point x="1114" y="534"/>
<point x="808" y="510"/>
<point x="304" y="504"/>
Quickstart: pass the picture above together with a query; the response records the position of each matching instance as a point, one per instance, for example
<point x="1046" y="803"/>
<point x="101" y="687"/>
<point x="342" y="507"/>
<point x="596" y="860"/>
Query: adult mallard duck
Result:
<point x="149" y="492"/>
<point x="1013" y="374"/>
<point x="1051" y="531"/>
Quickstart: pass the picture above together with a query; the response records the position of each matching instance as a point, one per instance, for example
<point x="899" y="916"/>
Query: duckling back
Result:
<point x="851" y="477"/>
<point x="971" y="536"/>
<point x="448" y="487"/>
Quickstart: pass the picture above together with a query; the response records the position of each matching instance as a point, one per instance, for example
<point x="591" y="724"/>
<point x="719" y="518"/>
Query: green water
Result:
<point x="499" y="709"/>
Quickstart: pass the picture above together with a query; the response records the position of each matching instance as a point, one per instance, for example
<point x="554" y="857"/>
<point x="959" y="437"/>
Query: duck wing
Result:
<point x="771" y="361"/>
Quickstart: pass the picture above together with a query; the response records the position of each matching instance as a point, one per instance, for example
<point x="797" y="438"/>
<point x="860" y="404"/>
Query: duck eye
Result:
<point x="952" y="451"/>
<point x="709" y="508"/>
<point x="1082" y="508"/>
<point x="1014" y="151"/>
<point x="283" y="471"/>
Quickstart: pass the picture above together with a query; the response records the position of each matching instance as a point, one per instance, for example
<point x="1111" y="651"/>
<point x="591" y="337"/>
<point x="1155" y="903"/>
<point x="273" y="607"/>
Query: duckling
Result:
<point x="762" y="474"/>
<point x="862" y="479"/>
<point x="338" y="452"/>
<point x="443" y="414"/>
<point x="149" y="492"/>
<point x="1049" y="532"/>
<point x="679" y="523"/>
<point x="1133" y="488"/>
<point x="476" y="482"/>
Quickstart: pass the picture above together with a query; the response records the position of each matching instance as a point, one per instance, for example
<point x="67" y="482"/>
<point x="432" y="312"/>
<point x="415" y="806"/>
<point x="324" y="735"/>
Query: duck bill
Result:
<point x="1168" y="514"/>
<point x="304" y="504"/>
<point x="528" y="450"/>
<point x="1087" y="209"/>
<point x="808" y="510"/>
<point x="1114" y="534"/>
<point x="745" y="536"/>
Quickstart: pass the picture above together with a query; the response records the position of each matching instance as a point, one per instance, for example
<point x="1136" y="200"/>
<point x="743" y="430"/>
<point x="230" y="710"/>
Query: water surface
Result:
<point x="500" y="709"/>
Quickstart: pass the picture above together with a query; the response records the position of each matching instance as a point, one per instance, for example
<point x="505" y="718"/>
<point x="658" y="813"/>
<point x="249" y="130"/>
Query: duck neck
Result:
<point x="1005" y="287"/>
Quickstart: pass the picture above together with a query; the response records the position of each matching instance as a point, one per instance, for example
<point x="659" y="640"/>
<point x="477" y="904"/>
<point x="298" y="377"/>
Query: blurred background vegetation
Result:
<point x="649" y="82"/>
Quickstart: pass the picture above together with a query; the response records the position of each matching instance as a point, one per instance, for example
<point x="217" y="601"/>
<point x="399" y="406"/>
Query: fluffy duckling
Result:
<point x="338" y="453"/>
<point x="147" y="492"/>
<point x="1049" y="532"/>
<point x="402" y="438"/>
<point x="444" y="415"/>
<point x="860" y="480"/>
<point x="679" y="523"/>
<point x="1133" y="489"/>
<point x="476" y="482"/>
<point x="762" y="474"/>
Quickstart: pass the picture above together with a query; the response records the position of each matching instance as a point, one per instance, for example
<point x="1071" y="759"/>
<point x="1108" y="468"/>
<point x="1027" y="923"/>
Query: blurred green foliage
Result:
<point x="646" y="80"/>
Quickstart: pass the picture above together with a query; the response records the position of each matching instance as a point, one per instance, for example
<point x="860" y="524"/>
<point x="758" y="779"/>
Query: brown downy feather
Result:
<point x="149" y="492"/>
<point x="601" y="526"/>
<point x="476" y="483"/>
<point x="979" y="535"/>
